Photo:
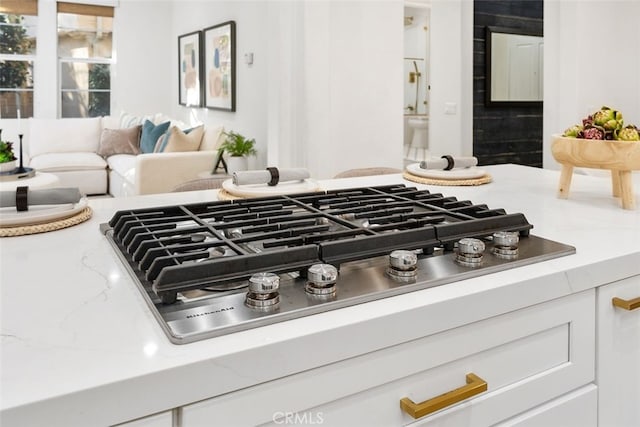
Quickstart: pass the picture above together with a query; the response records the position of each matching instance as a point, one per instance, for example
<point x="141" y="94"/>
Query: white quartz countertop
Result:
<point x="79" y="346"/>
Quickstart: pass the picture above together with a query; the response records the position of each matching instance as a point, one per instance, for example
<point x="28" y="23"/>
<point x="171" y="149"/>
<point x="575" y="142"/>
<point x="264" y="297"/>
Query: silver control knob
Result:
<point x="505" y="244"/>
<point x="471" y="246"/>
<point x="322" y="274"/>
<point x="507" y="239"/>
<point x="470" y="252"/>
<point x="264" y="283"/>
<point x="403" y="265"/>
<point x="321" y="280"/>
<point x="403" y="260"/>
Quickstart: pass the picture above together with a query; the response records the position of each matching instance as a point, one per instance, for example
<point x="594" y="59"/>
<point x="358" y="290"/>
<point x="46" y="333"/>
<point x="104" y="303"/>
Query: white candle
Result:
<point x="19" y="123"/>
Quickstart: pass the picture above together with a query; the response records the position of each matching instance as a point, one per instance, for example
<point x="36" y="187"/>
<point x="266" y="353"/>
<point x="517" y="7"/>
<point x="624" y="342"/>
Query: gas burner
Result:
<point x="402" y="265"/>
<point x="263" y="291"/>
<point x="505" y="244"/>
<point x="470" y="252"/>
<point x="321" y="280"/>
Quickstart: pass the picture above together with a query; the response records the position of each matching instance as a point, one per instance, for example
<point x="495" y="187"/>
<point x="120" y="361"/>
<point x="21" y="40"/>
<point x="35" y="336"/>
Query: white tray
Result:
<point x="453" y="174"/>
<point x="264" y="190"/>
<point x="38" y="214"/>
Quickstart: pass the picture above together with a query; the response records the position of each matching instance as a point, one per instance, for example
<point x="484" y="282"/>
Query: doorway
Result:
<point x="416" y="61"/>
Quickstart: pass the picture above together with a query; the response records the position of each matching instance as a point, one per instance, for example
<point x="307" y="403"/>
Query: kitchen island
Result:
<point x="81" y="347"/>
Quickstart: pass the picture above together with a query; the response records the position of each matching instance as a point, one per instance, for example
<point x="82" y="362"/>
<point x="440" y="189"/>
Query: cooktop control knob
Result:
<point x="505" y="244"/>
<point x="402" y="265"/>
<point x="264" y="283"/>
<point x="321" y="279"/>
<point x="263" y="291"/>
<point x="470" y="246"/>
<point x="470" y="252"/>
<point x="403" y="260"/>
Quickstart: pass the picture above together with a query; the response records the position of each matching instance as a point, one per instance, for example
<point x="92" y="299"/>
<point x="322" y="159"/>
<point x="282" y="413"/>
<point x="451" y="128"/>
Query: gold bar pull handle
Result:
<point x="627" y="304"/>
<point x="475" y="385"/>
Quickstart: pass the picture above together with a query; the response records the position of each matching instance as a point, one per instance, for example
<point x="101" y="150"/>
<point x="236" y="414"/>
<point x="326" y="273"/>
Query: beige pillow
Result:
<point x="180" y="141"/>
<point x="119" y="141"/>
<point x="213" y="137"/>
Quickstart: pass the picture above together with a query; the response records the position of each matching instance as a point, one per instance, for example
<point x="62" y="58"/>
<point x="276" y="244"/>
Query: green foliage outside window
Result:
<point x="14" y="40"/>
<point x="99" y="102"/>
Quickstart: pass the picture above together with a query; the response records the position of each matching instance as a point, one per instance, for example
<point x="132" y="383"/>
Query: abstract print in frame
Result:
<point x="220" y="66"/>
<point x="189" y="63"/>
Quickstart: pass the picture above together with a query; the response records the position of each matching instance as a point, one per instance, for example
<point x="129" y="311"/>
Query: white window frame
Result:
<point x="67" y="59"/>
<point x="24" y="58"/>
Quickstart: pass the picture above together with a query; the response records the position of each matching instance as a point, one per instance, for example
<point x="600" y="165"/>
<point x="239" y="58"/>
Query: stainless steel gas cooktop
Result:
<point x="213" y="268"/>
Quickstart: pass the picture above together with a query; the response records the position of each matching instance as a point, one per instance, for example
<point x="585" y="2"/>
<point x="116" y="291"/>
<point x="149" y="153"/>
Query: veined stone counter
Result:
<point x="79" y="346"/>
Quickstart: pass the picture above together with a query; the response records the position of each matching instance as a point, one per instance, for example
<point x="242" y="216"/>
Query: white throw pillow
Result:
<point x="110" y="122"/>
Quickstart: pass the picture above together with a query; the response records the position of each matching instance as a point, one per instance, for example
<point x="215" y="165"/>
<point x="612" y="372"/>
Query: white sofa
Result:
<point x="69" y="148"/>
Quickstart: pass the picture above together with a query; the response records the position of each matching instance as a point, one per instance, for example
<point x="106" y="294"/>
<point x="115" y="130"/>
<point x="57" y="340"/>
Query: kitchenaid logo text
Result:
<point x="297" y="418"/>
<point x="207" y="313"/>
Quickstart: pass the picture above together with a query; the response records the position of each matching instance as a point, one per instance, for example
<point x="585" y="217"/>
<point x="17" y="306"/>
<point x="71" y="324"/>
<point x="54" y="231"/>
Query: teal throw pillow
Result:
<point x="150" y="135"/>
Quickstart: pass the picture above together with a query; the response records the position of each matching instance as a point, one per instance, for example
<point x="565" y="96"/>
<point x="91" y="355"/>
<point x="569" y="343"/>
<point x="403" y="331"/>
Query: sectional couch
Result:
<point x="121" y="156"/>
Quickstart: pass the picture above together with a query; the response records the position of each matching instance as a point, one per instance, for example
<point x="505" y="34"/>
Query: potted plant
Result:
<point x="7" y="158"/>
<point x="238" y="147"/>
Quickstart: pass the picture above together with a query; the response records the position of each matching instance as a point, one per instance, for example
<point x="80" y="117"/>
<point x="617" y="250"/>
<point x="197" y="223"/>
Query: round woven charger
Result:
<point x="225" y="195"/>
<point x="81" y="216"/>
<point x="485" y="179"/>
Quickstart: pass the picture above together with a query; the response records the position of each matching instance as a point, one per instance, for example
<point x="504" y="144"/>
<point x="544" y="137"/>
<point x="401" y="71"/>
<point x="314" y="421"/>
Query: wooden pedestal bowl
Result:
<point x="620" y="157"/>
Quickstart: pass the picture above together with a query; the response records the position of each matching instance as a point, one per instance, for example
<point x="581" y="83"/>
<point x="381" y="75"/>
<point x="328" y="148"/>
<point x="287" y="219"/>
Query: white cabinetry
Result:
<point x="576" y="409"/>
<point x="527" y="358"/>
<point x="163" y="419"/>
<point x="618" y="371"/>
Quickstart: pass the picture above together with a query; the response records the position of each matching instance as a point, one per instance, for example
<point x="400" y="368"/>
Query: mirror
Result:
<point x="514" y="61"/>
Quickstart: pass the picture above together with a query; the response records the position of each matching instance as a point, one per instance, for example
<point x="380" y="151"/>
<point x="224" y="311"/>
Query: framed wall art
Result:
<point x="190" y="69"/>
<point x="220" y="66"/>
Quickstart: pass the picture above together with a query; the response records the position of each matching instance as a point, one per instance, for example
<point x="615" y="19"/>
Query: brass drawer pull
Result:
<point x="627" y="304"/>
<point x="475" y="385"/>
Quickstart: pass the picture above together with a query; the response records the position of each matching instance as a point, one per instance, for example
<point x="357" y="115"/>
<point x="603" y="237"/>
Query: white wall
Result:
<point x="592" y="58"/>
<point x="143" y="43"/>
<point x="325" y="89"/>
<point x="351" y="63"/>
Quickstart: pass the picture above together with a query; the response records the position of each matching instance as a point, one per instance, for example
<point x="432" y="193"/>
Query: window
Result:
<point x="85" y="35"/>
<point x="18" y="22"/>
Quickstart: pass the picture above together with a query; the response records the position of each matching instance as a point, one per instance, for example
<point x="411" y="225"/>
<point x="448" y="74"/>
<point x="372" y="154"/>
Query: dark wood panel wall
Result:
<point x="501" y="134"/>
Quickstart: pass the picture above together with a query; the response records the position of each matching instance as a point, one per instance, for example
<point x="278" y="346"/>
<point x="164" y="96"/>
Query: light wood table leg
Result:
<point x="565" y="181"/>
<point x="615" y="183"/>
<point x="626" y="190"/>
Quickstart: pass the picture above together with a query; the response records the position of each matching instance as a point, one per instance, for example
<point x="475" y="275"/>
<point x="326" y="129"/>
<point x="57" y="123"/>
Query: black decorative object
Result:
<point x="21" y="168"/>
<point x="220" y="163"/>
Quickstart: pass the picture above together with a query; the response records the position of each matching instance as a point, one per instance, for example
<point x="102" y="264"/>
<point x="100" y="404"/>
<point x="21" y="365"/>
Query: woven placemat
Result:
<point x="225" y="195"/>
<point x="485" y="179"/>
<point x="81" y="216"/>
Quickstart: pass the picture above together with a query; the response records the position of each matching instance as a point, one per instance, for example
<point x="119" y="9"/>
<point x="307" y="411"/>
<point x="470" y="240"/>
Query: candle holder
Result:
<point x="21" y="168"/>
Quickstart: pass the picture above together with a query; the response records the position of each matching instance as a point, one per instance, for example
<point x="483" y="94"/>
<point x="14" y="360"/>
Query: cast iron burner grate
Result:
<point x="212" y="245"/>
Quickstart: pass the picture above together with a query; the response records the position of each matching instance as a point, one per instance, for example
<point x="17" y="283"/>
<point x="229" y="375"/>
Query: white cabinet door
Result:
<point x="576" y="409"/>
<point x="163" y="419"/>
<point x="618" y="370"/>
